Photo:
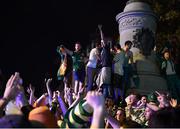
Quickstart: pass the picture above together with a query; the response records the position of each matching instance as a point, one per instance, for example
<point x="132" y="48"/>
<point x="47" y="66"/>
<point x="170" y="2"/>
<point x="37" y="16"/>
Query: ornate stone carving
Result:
<point x="131" y="22"/>
<point x="138" y="24"/>
<point x="144" y="40"/>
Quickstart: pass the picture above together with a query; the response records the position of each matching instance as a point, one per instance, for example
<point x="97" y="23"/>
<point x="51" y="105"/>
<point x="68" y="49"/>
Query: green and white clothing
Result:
<point x="78" y="61"/>
<point x="136" y="114"/>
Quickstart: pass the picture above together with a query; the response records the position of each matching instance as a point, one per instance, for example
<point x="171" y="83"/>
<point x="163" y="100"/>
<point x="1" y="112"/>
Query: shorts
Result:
<point x="79" y="75"/>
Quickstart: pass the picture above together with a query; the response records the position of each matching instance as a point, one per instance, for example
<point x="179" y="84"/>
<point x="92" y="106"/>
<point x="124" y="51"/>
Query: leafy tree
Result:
<point x="169" y="19"/>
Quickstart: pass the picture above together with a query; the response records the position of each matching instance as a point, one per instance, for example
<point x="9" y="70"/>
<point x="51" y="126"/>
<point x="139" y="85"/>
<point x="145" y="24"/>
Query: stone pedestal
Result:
<point x="138" y="23"/>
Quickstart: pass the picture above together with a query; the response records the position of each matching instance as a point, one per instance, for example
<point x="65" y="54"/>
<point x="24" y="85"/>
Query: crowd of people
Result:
<point x="94" y="94"/>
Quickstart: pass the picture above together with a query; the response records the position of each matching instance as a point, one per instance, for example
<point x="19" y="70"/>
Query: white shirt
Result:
<point x="93" y="58"/>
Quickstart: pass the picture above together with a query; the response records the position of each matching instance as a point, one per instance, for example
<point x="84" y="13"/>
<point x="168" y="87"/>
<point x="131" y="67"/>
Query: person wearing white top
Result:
<point x="92" y="69"/>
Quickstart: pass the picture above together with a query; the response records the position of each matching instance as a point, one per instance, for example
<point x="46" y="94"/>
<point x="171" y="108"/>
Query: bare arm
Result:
<point x="48" y="82"/>
<point x="113" y="122"/>
<point x="69" y="96"/>
<point x="41" y="100"/>
<point x="98" y="118"/>
<point x="3" y="103"/>
<point x="153" y="107"/>
<point x="131" y="59"/>
<point x="102" y="36"/>
<point x="31" y="91"/>
<point x="68" y="51"/>
<point x="61" y="103"/>
<point x="79" y="97"/>
<point x="10" y="92"/>
<point x="96" y="101"/>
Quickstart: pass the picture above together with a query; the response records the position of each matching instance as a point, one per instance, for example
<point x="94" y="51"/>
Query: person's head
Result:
<point x="109" y="102"/>
<point x="77" y="46"/>
<point x="128" y="45"/>
<point x="148" y="112"/>
<point x="163" y="99"/>
<point x="165" y="118"/>
<point x="152" y="98"/>
<point x="43" y="115"/>
<point x="166" y="55"/>
<point x="144" y="98"/>
<point x="61" y="48"/>
<point x="117" y="47"/>
<point x="98" y="45"/>
<point x="120" y="115"/>
<point x="132" y="99"/>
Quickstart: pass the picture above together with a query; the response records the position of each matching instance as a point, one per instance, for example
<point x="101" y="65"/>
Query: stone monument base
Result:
<point x="149" y="77"/>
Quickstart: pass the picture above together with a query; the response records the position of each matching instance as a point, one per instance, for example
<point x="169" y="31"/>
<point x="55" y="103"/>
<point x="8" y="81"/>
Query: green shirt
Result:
<point x="78" y="61"/>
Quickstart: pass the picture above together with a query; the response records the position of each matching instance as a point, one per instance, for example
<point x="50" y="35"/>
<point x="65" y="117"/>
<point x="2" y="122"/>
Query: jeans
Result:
<point x="106" y="90"/>
<point x="91" y="72"/>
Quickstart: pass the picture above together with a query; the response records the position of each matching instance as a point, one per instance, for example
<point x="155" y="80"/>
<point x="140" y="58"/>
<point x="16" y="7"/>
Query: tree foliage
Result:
<point x="169" y="18"/>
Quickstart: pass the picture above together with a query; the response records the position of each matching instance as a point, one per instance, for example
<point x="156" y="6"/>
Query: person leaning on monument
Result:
<point x="118" y="72"/>
<point x="128" y="66"/>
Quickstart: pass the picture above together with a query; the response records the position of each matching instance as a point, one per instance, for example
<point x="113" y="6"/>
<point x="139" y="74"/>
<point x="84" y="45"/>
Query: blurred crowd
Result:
<point x="95" y="92"/>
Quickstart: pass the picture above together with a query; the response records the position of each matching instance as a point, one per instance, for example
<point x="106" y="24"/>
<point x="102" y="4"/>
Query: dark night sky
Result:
<point x="31" y="30"/>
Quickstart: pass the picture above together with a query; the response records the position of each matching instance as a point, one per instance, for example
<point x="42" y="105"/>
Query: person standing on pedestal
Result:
<point x="127" y="66"/>
<point x="92" y="65"/>
<point x="168" y="71"/>
<point x="118" y="72"/>
<point x="105" y="75"/>
<point x="65" y="70"/>
<point x="78" y="58"/>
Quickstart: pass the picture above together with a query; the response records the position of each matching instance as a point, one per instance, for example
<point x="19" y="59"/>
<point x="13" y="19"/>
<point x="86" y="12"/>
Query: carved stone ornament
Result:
<point x="131" y="22"/>
<point x="144" y="40"/>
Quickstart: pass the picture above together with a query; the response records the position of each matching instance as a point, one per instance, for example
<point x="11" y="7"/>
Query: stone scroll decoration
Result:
<point x="144" y="40"/>
<point x="130" y="22"/>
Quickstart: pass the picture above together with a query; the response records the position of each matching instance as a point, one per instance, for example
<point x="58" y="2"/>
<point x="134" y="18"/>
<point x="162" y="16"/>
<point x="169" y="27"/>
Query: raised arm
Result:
<point x="9" y="93"/>
<point x="62" y="49"/>
<point x="69" y="52"/>
<point x="113" y="122"/>
<point x="152" y="107"/>
<point x="78" y="98"/>
<point x="61" y="103"/>
<point x="31" y="91"/>
<point x="97" y="102"/>
<point x="102" y="36"/>
<point x="48" y="82"/>
<point x="41" y="101"/>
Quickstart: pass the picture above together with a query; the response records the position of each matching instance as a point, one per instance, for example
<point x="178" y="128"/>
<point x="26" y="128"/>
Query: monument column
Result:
<point x="138" y="24"/>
